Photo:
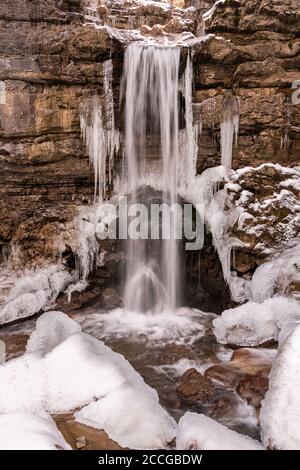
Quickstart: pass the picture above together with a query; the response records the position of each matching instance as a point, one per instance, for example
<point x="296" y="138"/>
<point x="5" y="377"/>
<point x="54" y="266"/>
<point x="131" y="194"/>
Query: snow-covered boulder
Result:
<point x="197" y="431"/>
<point x="65" y="369"/>
<point x="25" y="431"/>
<point x="252" y="323"/>
<point x="280" y="411"/>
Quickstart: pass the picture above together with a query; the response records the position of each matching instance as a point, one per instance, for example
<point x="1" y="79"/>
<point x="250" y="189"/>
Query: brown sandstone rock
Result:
<point x="50" y="62"/>
<point x="247" y="373"/>
<point x="193" y="386"/>
<point x="76" y="433"/>
<point x="253" y="388"/>
<point x="15" y="344"/>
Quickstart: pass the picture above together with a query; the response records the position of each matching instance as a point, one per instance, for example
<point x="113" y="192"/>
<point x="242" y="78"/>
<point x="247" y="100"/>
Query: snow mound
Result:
<point x="58" y="377"/>
<point x="252" y="324"/>
<point x="24" y="431"/>
<point x="277" y="274"/>
<point x="197" y="431"/>
<point x="280" y="411"/>
<point x="52" y="328"/>
<point x="34" y="291"/>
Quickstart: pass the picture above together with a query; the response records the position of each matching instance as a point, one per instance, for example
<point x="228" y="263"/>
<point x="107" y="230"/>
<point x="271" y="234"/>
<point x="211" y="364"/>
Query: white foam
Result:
<point x="184" y="325"/>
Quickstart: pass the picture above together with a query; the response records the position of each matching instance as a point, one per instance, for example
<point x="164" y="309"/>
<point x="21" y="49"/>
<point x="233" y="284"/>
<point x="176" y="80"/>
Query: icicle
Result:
<point x="100" y="136"/>
<point x="229" y="129"/>
<point x="113" y="135"/>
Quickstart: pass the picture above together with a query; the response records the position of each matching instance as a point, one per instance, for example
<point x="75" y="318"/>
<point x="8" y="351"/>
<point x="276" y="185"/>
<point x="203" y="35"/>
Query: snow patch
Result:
<point x="252" y="324"/>
<point x="199" y="432"/>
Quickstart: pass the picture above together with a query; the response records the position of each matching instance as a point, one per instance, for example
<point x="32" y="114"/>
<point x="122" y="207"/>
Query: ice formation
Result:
<point x="280" y="412"/>
<point x="229" y="133"/>
<point x="34" y="291"/>
<point x="253" y="323"/>
<point x="98" y="130"/>
<point x="278" y="273"/>
<point x="91" y="226"/>
<point x="199" y="432"/>
<point x="25" y="431"/>
<point x="207" y="15"/>
<point x="64" y="369"/>
<point x="188" y="136"/>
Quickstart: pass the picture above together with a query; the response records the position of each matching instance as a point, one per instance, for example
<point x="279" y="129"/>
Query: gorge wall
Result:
<point x="52" y="59"/>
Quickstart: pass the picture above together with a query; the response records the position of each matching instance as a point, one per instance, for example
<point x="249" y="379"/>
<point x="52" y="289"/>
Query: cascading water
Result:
<point x="150" y="90"/>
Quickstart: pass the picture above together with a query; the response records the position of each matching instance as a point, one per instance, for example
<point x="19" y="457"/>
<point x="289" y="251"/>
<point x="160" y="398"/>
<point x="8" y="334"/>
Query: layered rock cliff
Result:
<point x="52" y="56"/>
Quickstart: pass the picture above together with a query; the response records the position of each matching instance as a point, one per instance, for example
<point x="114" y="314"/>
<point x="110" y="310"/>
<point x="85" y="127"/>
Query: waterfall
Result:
<point x="150" y="88"/>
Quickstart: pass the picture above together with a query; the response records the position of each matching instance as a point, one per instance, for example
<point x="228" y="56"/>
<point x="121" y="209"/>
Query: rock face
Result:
<point x="49" y="63"/>
<point x="254" y="51"/>
<point x="267" y="199"/>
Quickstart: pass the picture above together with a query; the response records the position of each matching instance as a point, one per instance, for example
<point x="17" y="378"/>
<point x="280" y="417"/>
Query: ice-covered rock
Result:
<point x="52" y="328"/>
<point x="25" y="431"/>
<point x="280" y="274"/>
<point x="33" y="291"/>
<point x="255" y="223"/>
<point x="252" y="323"/>
<point x="280" y="411"/>
<point x="197" y="431"/>
<point x="64" y="369"/>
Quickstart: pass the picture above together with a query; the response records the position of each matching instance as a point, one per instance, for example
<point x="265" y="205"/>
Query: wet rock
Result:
<point x="90" y="295"/>
<point x="172" y="353"/>
<point x="15" y="345"/>
<point x="247" y="373"/>
<point x="224" y="374"/>
<point x="80" y="442"/>
<point x="253" y="388"/>
<point x="253" y="361"/>
<point x="111" y="298"/>
<point x="195" y="387"/>
<point x="222" y="406"/>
